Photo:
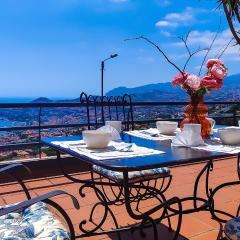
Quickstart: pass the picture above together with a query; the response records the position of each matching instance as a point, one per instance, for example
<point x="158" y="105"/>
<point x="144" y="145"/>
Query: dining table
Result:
<point x="168" y="156"/>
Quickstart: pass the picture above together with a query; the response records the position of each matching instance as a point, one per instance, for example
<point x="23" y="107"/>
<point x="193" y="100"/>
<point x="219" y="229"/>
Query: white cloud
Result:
<point x="165" y="23"/>
<point x="166" y="33"/>
<point x="185" y="18"/>
<point x="204" y="39"/>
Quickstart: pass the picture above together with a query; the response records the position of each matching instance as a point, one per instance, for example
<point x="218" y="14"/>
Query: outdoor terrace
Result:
<point x="196" y="226"/>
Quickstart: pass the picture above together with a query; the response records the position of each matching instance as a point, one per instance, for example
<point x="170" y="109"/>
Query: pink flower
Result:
<point x="211" y="83"/>
<point x="179" y="79"/>
<point x="213" y="61"/>
<point x="193" y="82"/>
<point x="218" y="71"/>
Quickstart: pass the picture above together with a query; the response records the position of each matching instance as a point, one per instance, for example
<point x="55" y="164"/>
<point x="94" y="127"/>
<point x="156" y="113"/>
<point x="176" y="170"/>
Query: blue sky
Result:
<point x="53" y="48"/>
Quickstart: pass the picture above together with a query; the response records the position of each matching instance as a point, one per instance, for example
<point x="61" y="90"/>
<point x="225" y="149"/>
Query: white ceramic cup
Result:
<point x="115" y="124"/>
<point x="194" y="127"/>
<point x="212" y="122"/>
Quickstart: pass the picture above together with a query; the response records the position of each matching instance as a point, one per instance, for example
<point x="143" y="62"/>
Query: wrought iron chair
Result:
<point x="141" y="183"/>
<point x="99" y="109"/>
<point x="231" y="228"/>
<point x="32" y="219"/>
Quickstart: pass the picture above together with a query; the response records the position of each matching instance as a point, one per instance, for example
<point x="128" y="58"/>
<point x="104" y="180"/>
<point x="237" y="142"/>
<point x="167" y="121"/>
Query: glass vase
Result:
<point x="196" y="112"/>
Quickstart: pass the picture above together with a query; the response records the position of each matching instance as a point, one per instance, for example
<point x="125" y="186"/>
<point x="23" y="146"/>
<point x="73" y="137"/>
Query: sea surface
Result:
<point x="15" y="100"/>
<point x="5" y="123"/>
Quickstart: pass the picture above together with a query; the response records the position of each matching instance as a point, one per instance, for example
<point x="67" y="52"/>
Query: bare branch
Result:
<point x="158" y="48"/>
<point x="221" y="51"/>
<point x="209" y="49"/>
<point x="192" y="54"/>
<point x="184" y="40"/>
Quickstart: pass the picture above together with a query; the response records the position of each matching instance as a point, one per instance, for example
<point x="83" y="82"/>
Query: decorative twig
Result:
<point x="209" y="49"/>
<point x="221" y="51"/>
<point x="184" y="39"/>
<point x="159" y="49"/>
<point x="192" y="54"/>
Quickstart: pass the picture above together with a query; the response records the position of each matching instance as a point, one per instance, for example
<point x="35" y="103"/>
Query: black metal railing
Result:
<point x="227" y="111"/>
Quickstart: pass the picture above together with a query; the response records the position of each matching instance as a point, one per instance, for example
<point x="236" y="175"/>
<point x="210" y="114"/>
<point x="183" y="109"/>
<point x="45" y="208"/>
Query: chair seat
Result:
<point x="134" y="176"/>
<point x="34" y="222"/>
<point x="232" y="229"/>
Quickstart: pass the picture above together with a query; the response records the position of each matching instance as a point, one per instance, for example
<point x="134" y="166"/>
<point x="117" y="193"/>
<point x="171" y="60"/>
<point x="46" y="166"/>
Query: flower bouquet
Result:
<point x="196" y="111"/>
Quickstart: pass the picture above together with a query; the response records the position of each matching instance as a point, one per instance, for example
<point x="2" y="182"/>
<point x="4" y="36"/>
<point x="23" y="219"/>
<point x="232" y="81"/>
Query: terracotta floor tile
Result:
<point x="2" y="202"/>
<point x="59" y="180"/>
<point x="197" y="226"/>
<point x="211" y="235"/>
<point x="14" y="198"/>
<point x="10" y="188"/>
<point x="65" y="202"/>
<point x="48" y="189"/>
<point x="206" y="218"/>
<point x="191" y="226"/>
<point x="38" y="184"/>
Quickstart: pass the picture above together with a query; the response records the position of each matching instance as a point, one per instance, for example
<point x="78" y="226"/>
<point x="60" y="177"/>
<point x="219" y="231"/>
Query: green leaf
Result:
<point x="230" y="5"/>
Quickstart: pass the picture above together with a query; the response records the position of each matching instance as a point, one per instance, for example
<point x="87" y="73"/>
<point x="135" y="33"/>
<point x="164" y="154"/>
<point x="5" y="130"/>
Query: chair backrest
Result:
<point x="100" y="109"/>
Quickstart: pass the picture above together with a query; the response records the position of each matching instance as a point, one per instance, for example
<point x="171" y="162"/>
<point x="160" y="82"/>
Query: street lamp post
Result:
<point x="102" y="71"/>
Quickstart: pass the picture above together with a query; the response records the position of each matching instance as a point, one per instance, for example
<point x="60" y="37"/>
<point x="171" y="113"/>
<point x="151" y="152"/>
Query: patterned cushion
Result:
<point x="134" y="176"/>
<point x="232" y="229"/>
<point x="34" y="222"/>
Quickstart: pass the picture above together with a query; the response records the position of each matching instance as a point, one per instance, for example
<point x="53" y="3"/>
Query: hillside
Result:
<point x="166" y="92"/>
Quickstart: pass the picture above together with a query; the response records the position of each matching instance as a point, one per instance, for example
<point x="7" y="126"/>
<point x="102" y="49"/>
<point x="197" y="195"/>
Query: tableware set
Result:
<point x="189" y="136"/>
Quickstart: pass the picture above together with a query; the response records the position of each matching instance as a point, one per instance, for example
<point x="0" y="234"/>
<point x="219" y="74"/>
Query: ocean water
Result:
<point x="5" y="123"/>
<point x="15" y="100"/>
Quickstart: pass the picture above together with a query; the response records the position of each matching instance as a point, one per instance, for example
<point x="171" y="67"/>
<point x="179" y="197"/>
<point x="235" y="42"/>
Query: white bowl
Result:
<point x="229" y="135"/>
<point x="167" y="127"/>
<point x="96" y="139"/>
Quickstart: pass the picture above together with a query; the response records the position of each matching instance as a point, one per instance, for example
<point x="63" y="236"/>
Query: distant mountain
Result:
<point x="47" y="100"/>
<point x="166" y="92"/>
<point x="42" y="100"/>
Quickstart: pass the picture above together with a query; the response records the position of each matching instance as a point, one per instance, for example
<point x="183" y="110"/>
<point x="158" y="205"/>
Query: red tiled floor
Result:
<point x="196" y="226"/>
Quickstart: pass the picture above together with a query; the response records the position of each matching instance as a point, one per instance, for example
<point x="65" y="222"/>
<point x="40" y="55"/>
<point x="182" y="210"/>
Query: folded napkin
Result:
<point x="151" y="134"/>
<point x="187" y="139"/>
<point x="115" y="136"/>
<point x="114" y="150"/>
